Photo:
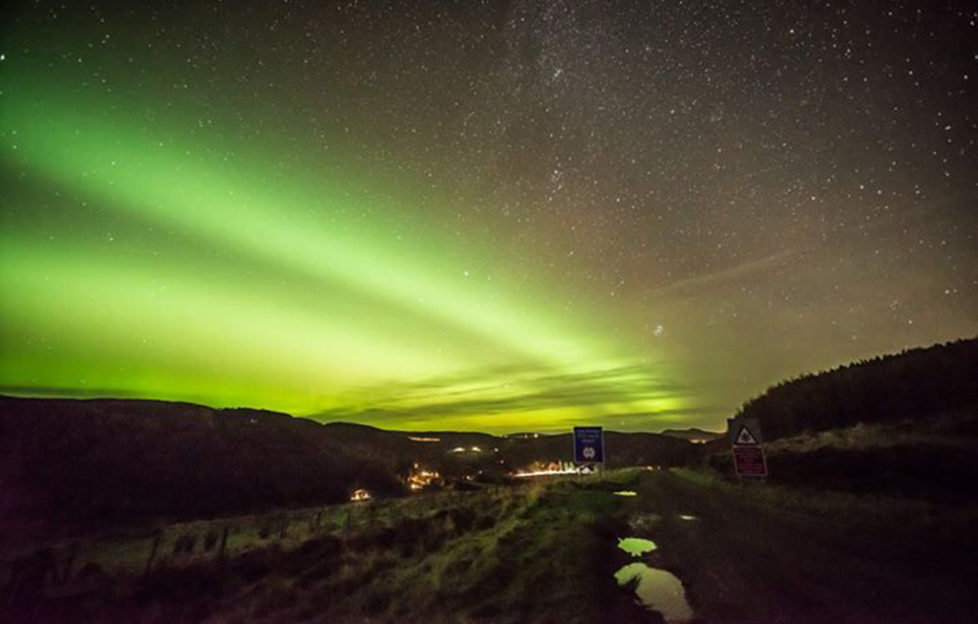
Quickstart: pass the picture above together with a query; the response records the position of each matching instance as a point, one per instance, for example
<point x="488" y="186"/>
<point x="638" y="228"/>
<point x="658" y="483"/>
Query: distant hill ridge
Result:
<point x="692" y="434"/>
<point x="95" y="460"/>
<point x="67" y="460"/>
<point x="916" y="383"/>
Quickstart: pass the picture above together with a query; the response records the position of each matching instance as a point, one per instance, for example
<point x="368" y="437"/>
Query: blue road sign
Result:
<point x="588" y="445"/>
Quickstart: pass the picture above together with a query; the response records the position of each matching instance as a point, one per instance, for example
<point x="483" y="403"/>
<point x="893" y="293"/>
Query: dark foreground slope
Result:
<point x="542" y="553"/>
<point x="539" y="552"/>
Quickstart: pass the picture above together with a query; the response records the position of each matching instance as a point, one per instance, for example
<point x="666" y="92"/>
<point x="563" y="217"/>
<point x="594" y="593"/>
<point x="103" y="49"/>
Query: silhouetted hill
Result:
<point x="85" y="461"/>
<point x="899" y="425"/>
<point x="88" y="462"/>
<point x="915" y="384"/>
<point x="692" y="434"/>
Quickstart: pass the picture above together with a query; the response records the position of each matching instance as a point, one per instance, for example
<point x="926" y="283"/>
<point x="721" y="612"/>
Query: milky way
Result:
<point x="481" y="215"/>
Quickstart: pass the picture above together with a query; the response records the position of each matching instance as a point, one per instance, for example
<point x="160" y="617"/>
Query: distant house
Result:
<point x="360" y="495"/>
<point x="421" y="478"/>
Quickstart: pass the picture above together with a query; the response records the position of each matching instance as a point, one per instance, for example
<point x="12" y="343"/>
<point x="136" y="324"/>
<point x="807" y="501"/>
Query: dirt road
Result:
<point x="759" y="554"/>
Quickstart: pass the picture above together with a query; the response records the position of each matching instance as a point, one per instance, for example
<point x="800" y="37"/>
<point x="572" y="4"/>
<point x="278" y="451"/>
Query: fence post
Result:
<point x="157" y="537"/>
<point x="224" y="542"/>
<point x="72" y="553"/>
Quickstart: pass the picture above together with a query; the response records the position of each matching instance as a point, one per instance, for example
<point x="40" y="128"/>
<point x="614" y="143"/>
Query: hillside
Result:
<point x="79" y="463"/>
<point x="83" y="461"/>
<point x="902" y="425"/>
<point x="917" y="384"/>
<point x="549" y="551"/>
<point x="693" y="434"/>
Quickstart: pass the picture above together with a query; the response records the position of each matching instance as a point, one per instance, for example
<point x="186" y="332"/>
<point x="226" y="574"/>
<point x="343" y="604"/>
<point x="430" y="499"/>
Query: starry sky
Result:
<point x="495" y="216"/>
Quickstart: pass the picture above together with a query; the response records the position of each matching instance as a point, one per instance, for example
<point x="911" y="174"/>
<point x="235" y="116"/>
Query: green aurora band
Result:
<point x="147" y="261"/>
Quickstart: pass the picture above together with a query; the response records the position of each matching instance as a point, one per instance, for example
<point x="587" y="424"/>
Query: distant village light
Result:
<point x="542" y="469"/>
<point x="360" y="495"/>
<point x="421" y="478"/>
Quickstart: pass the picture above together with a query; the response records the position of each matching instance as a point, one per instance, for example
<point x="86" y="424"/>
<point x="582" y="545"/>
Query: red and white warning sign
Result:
<point x="749" y="461"/>
<point x="745" y="436"/>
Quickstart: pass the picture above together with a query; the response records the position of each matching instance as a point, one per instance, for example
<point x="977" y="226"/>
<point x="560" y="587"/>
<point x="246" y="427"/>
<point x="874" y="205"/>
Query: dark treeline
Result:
<point x="914" y="384"/>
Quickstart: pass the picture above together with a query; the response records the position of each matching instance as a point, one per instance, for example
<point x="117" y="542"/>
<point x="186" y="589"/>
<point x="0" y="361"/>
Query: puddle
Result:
<point x="658" y="590"/>
<point x="625" y="493"/>
<point x="635" y="546"/>
<point x="686" y="517"/>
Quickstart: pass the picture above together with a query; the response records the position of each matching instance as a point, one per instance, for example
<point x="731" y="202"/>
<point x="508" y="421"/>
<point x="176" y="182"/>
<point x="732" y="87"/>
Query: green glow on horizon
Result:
<point x="275" y="293"/>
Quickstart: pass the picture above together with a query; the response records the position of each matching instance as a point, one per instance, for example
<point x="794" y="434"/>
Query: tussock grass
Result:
<point x="955" y="428"/>
<point x="506" y="554"/>
<point x="931" y="459"/>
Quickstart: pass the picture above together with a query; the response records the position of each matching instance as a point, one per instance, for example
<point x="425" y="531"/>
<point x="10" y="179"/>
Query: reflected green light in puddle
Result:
<point x="658" y="590"/>
<point x="636" y="546"/>
<point x="625" y="493"/>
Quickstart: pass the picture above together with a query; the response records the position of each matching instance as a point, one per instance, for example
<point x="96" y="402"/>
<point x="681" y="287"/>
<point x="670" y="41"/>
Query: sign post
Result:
<point x="588" y="445"/>
<point x="748" y="454"/>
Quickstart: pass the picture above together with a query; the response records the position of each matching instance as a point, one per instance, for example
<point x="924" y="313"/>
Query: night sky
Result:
<point x="499" y="216"/>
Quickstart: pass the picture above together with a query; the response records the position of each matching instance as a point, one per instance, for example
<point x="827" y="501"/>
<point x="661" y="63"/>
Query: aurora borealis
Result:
<point x="490" y="216"/>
